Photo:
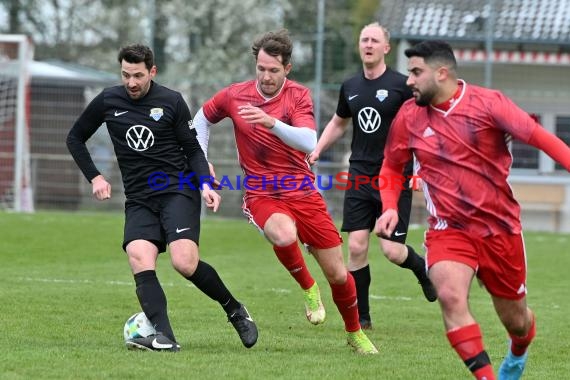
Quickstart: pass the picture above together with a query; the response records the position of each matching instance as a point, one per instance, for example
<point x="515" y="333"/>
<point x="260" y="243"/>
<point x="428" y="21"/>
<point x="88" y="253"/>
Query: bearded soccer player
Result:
<point x="151" y="130"/>
<point x="274" y="131"/>
<point x="459" y="134"/>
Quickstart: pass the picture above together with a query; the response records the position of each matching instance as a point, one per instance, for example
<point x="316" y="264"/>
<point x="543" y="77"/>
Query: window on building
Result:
<point x="563" y="131"/>
<point x="524" y="156"/>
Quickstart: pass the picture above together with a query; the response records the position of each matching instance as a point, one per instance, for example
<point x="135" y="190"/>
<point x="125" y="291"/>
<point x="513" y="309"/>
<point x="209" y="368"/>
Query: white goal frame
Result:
<point x="22" y="200"/>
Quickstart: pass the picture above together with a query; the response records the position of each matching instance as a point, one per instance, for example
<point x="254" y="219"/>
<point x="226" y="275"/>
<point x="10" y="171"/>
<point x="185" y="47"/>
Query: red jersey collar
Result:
<point x="450" y="103"/>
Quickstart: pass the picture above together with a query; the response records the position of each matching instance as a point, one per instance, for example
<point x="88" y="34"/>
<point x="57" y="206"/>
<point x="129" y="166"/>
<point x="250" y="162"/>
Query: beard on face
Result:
<point x="423" y="99"/>
<point x="138" y="92"/>
<point x="133" y="94"/>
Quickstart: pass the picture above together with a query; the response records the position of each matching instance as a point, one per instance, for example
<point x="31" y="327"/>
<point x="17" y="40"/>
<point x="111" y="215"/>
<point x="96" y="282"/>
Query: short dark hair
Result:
<point x="434" y="51"/>
<point x="275" y="44"/>
<point x="137" y="53"/>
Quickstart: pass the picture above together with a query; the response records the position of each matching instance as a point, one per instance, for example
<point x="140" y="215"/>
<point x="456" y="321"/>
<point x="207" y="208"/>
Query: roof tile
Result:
<point x="528" y="21"/>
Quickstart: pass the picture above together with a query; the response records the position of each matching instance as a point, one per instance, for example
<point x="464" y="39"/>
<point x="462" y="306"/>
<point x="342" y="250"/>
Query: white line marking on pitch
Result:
<point x="64" y="281"/>
<point x="279" y="290"/>
<point x="397" y="298"/>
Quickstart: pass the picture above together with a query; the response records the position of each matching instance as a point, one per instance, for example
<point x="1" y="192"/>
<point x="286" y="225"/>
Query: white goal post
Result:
<point x="16" y="53"/>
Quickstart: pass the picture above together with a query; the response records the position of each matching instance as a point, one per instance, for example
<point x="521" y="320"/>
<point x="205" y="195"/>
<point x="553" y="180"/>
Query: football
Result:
<point x="138" y="326"/>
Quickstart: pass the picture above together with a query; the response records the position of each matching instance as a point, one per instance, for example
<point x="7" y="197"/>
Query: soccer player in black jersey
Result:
<point x="159" y="158"/>
<point x="371" y="99"/>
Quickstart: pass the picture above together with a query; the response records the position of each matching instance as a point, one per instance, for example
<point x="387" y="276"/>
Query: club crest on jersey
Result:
<point x="156" y="113"/>
<point x="381" y="94"/>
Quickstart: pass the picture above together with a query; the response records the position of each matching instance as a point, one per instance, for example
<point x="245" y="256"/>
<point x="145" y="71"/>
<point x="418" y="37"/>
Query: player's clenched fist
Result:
<point x="101" y="188"/>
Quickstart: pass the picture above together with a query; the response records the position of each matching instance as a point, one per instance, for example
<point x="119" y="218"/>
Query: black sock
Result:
<point x="153" y="302"/>
<point x="209" y="282"/>
<point x="362" y="281"/>
<point x="415" y="263"/>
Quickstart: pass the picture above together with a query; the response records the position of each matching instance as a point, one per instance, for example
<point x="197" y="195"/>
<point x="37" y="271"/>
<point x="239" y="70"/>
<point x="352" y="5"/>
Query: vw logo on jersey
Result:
<point x="139" y="138"/>
<point x="381" y="94"/>
<point x="369" y="120"/>
<point x="156" y="113"/>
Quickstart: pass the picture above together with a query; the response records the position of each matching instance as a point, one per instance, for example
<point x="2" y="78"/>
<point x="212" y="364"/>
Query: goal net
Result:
<point x="16" y="194"/>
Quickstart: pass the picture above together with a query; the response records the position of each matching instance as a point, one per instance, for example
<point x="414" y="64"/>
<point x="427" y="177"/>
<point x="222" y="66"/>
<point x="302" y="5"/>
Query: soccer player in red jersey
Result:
<point x="459" y="134"/>
<point x="274" y="130"/>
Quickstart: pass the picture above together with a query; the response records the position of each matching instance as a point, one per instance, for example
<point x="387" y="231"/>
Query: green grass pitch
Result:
<point x="66" y="291"/>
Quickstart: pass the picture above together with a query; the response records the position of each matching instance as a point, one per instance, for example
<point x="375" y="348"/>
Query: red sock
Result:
<point x="520" y="344"/>
<point x="344" y="296"/>
<point x="292" y="259"/>
<point x="467" y="341"/>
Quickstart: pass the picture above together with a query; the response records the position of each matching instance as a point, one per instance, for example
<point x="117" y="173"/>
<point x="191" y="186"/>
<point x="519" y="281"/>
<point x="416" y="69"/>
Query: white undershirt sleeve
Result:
<point x="300" y="138"/>
<point x="202" y="126"/>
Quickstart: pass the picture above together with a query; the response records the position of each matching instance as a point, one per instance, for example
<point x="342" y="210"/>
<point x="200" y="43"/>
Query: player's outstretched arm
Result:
<point x="334" y="130"/>
<point x="551" y="145"/>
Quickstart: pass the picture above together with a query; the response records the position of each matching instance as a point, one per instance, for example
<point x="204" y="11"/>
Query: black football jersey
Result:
<point x="153" y="139"/>
<point x="372" y="104"/>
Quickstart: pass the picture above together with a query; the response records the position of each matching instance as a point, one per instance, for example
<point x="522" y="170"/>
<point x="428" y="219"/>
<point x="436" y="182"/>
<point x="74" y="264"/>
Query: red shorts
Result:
<point x="499" y="261"/>
<point x="314" y="224"/>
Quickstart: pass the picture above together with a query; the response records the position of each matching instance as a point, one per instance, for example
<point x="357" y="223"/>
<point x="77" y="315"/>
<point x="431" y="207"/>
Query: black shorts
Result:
<point x="162" y="219"/>
<point x="363" y="206"/>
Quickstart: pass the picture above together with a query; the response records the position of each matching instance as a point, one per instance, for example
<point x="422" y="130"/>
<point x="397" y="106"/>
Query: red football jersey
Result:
<point x="271" y="167"/>
<point x="464" y="159"/>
